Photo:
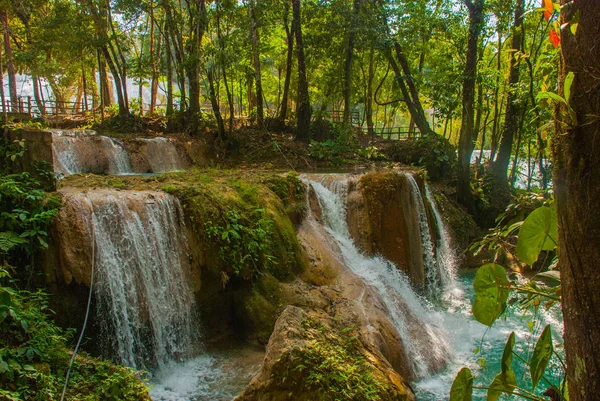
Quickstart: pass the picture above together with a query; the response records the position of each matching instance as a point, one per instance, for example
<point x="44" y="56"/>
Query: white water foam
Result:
<point x="80" y="154"/>
<point x="453" y="332"/>
<point x="405" y="307"/>
<point x="141" y="281"/>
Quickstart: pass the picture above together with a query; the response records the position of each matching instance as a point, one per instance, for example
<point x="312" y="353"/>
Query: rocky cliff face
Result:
<point x="383" y="220"/>
<point x="317" y="317"/>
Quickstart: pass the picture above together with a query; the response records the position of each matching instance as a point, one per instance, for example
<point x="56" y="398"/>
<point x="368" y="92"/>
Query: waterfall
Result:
<point x="446" y="259"/>
<point x="161" y="155"/>
<point x="142" y="277"/>
<point x="432" y="267"/>
<point x="86" y="152"/>
<point x="424" y="341"/>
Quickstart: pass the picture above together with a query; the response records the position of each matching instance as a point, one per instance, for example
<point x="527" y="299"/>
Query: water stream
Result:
<point x="427" y="348"/>
<point x="89" y="153"/>
<point x="453" y="332"/>
<point x="84" y="151"/>
<point x="144" y="294"/>
<point x="142" y="285"/>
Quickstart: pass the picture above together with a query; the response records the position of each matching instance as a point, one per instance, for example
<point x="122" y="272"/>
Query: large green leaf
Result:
<point x="503" y="383"/>
<point x="508" y="353"/>
<point x="491" y="293"/>
<point x="462" y="388"/>
<point x="541" y="356"/>
<point x="539" y="232"/>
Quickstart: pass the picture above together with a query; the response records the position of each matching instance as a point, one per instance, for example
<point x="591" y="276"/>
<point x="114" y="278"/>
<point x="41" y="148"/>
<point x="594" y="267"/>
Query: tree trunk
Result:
<point x="348" y="64"/>
<point x="198" y="20"/>
<point x="153" y="61"/>
<point x="2" y="97"/>
<point x="228" y="92"/>
<point x="215" y="105"/>
<point x="369" y="99"/>
<point x="404" y="78"/>
<point x="303" y="110"/>
<point x="283" y="112"/>
<point x="466" y="141"/>
<point x="260" y="117"/>
<point x="10" y="66"/>
<point x="168" y="59"/>
<point x="120" y="64"/>
<point x="497" y="104"/>
<point x="513" y="109"/>
<point x="577" y="190"/>
<point x="123" y="107"/>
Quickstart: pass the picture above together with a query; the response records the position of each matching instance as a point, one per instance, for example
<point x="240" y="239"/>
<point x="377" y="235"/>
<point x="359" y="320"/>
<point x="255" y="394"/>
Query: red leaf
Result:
<point x="554" y="39"/>
<point x="548" y="8"/>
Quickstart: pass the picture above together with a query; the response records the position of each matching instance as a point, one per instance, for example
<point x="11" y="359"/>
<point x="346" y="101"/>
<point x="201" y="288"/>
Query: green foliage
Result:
<point x="372" y="153"/>
<point x="502" y="238"/>
<point x="244" y="244"/>
<point x="491" y="293"/>
<point x="433" y="152"/>
<point x="539" y="232"/>
<point x="246" y="223"/>
<point x="336" y="150"/>
<point x="25" y="209"/>
<point x="541" y="356"/>
<point x="462" y="387"/>
<point x="26" y="212"/>
<point x="333" y="365"/>
<point x="34" y="358"/>
<point x="505" y="382"/>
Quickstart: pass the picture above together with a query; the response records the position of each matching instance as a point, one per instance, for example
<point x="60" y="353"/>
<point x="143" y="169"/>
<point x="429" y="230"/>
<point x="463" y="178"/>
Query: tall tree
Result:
<point x="197" y="22"/>
<point x="513" y="106"/>
<point x="404" y="77"/>
<point x="283" y="111"/>
<point x="10" y="66"/>
<point x="347" y="90"/>
<point x="466" y="142"/>
<point x="577" y="188"/>
<point x="260" y="116"/>
<point x="303" y="111"/>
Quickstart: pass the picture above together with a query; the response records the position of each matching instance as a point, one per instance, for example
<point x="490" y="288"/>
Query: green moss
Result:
<point x="255" y="315"/>
<point x="243" y="215"/>
<point x="331" y="366"/>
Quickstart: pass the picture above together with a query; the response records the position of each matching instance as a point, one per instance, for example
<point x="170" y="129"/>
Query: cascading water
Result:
<point x="141" y="269"/>
<point x="85" y="152"/>
<point x="427" y="348"/>
<point x="432" y="267"/>
<point x="161" y="155"/>
<point x="452" y="332"/>
<point x="446" y="260"/>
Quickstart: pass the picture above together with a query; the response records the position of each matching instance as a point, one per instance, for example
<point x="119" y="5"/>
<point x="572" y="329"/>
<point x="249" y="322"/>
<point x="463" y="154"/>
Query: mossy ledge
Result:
<point x="242" y="240"/>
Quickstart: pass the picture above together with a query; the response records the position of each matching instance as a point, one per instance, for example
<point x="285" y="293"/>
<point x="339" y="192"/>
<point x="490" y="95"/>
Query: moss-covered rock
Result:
<point x="309" y="357"/>
<point x="241" y="239"/>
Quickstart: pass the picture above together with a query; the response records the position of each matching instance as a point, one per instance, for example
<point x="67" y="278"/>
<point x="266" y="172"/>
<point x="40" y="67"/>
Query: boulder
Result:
<point x="310" y="357"/>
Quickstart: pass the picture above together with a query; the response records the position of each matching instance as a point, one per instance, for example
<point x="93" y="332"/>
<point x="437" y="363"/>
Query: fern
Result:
<point x="10" y="239"/>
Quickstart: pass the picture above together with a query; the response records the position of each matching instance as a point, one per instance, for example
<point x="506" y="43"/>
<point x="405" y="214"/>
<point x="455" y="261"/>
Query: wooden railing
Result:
<point x="400" y="133"/>
<point x="26" y="108"/>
